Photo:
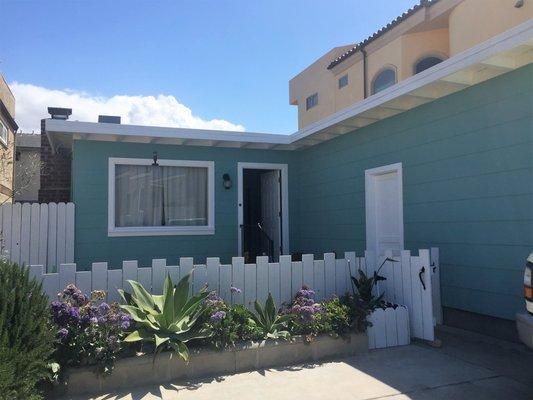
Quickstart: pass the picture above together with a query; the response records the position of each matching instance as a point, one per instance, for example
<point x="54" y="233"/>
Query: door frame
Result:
<point x="370" y="194"/>
<point x="284" y="170"/>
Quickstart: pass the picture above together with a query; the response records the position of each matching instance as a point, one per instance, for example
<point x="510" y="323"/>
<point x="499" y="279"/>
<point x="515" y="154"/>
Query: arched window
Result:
<point x="427" y="62"/>
<point x="383" y="80"/>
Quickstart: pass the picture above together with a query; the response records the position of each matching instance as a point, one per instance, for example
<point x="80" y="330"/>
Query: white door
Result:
<point x="384" y="209"/>
<point x="271" y="208"/>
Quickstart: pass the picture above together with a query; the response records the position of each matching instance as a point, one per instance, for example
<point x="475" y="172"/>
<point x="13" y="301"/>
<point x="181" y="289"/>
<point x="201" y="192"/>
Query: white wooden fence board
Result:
<point x="15" y="231"/>
<point x="308" y="270"/>
<point x="199" y="277"/>
<point x="114" y="282"/>
<point x="417" y="327"/>
<point x="329" y="274"/>
<point x="52" y="236"/>
<point x="67" y="275"/>
<point x="435" y="285"/>
<point x="174" y="273"/>
<point x="402" y="322"/>
<point x="225" y="282"/>
<point x="99" y="276"/>
<point x="389" y="285"/>
<point x="25" y="234"/>
<point x="380" y="334"/>
<point x="341" y="277"/>
<point x="250" y="285"/>
<point x="318" y="278"/>
<point x="426" y="294"/>
<point x="273" y="282"/>
<point x="285" y="279"/>
<point x="262" y="278"/>
<point x="144" y="277"/>
<point x="43" y="234"/>
<point x="391" y="330"/>
<point x="371" y="330"/>
<point x="406" y="278"/>
<point x="51" y="285"/>
<point x="36" y="271"/>
<point x="61" y="250"/>
<point x="158" y="275"/>
<point x="35" y="217"/>
<point x="70" y="232"/>
<point x="238" y="279"/>
<point x="296" y="277"/>
<point x="129" y="273"/>
<point x="83" y="282"/>
<point x="186" y="266"/>
<point x="213" y="266"/>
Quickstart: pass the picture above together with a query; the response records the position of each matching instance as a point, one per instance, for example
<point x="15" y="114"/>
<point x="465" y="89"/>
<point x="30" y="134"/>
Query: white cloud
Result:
<point x="161" y="110"/>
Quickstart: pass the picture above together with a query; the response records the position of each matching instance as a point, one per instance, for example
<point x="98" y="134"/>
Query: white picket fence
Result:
<point x="37" y="234"/>
<point x="405" y="283"/>
<point x="390" y="328"/>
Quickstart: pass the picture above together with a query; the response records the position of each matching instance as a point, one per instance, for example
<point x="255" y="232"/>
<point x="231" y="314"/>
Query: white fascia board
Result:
<point x="95" y="128"/>
<point x="520" y="34"/>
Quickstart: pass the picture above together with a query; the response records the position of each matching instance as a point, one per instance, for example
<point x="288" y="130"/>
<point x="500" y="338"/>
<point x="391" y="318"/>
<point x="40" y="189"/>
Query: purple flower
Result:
<point x="62" y="333"/>
<point x="213" y="300"/>
<point x="93" y="320"/>
<point x="218" y="316"/>
<point x="234" y="289"/>
<point x="104" y="308"/>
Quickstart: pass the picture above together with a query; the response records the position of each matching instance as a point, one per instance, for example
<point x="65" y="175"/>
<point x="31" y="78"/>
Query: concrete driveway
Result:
<point x="467" y="366"/>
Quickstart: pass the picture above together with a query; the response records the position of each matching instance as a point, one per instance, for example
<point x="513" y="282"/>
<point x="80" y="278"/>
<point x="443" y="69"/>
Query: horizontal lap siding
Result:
<point x="468" y="189"/>
<point x="90" y="170"/>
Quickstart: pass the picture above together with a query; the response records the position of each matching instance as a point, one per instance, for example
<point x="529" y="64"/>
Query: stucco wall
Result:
<point x="474" y="21"/>
<point x="89" y="192"/>
<point x="468" y="189"/>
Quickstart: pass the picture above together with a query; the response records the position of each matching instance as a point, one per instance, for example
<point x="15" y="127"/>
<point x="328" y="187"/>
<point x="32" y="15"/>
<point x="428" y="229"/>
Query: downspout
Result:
<point x="365" y="89"/>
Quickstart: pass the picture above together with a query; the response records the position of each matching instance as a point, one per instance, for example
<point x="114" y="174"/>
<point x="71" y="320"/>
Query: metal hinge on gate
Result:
<point x="434" y="266"/>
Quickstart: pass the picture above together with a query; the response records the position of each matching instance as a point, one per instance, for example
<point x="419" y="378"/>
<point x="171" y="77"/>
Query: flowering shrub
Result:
<point x="229" y="323"/>
<point x="89" y="331"/>
<point x="305" y="311"/>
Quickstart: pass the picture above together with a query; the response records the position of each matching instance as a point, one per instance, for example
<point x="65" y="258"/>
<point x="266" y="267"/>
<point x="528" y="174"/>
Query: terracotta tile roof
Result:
<point x="386" y="28"/>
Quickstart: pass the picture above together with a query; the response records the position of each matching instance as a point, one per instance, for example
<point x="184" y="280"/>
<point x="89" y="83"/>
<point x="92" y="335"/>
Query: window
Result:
<point x="383" y="80"/>
<point x="311" y="101"/>
<point x="3" y="133"/>
<point x="171" y="198"/>
<point x="343" y="81"/>
<point x="426" y="63"/>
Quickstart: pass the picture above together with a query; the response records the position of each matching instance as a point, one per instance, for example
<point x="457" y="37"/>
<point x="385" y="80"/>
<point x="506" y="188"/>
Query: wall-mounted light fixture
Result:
<point x="154" y="157"/>
<point x="519" y="3"/>
<point x="226" y="181"/>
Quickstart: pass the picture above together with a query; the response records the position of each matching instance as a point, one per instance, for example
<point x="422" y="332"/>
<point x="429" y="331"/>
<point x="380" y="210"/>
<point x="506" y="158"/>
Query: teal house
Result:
<point x="435" y="160"/>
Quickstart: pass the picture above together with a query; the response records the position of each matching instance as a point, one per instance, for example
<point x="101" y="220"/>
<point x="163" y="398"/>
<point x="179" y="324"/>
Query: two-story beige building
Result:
<point x="8" y="127"/>
<point x="422" y="37"/>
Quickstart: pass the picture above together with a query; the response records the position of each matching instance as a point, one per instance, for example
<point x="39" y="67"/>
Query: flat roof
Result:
<point x="500" y="54"/>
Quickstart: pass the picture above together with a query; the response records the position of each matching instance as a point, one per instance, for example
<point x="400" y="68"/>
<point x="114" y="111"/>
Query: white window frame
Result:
<point x="209" y="229"/>
<point x="3" y="127"/>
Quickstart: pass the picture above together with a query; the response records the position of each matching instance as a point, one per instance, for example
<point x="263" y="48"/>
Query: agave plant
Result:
<point x="270" y="323"/>
<point x="168" y="320"/>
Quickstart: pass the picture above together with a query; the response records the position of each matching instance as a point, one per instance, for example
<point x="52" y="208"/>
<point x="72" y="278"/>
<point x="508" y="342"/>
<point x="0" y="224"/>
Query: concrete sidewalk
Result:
<point x="467" y="366"/>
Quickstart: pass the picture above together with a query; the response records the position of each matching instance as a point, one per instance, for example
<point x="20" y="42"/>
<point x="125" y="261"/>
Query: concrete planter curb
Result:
<point x="139" y="371"/>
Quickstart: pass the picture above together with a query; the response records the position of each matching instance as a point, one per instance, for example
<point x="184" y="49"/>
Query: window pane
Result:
<point x="311" y="101"/>
<point x="160" y="196"/>
<point x="3" y="132"/>
<point x="384" y="80"/>
<point x="343" y="81"/>
<point x="426" y="63"/>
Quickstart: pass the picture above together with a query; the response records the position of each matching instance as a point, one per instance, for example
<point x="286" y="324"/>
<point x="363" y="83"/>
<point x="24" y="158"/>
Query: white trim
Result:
<point x="284" y="169"/>
<point x="3" y="127"/>
<point x="370" y="211"/>
<point x="112" y="230"/>
<point x="519" y="35"/>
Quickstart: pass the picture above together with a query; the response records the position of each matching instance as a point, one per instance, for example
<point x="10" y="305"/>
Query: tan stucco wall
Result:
<point x="475" y="21"/>
<point x="7" y="152"/>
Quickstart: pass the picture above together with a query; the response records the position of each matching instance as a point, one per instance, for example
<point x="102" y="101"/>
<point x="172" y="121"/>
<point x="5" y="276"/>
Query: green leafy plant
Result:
<point x="271" y="324"/>
<point x="26" y="337"/>
<point x="168" y="320"/>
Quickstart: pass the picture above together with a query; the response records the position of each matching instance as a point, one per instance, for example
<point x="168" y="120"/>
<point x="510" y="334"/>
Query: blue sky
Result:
<point x="229" y="60"/>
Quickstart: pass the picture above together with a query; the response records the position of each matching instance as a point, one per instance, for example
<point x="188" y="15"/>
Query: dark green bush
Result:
<point x="26" y="340"/>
